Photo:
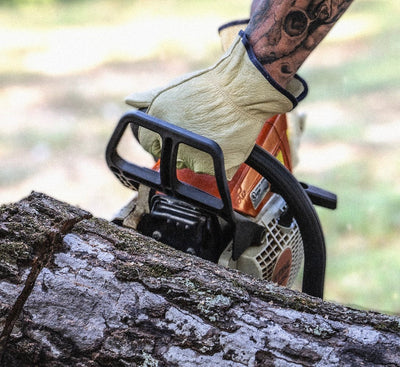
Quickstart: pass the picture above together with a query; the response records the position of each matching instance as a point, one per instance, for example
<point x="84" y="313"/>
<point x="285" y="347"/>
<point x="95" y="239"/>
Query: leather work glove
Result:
<point x="296" y="121"/>
<point x="228" y="103"/>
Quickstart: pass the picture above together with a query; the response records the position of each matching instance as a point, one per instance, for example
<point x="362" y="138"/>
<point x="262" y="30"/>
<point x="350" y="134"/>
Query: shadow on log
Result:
<point x="79" y="291"/>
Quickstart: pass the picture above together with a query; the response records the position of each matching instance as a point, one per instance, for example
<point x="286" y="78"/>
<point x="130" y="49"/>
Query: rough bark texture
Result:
<point x="79" y="291"/>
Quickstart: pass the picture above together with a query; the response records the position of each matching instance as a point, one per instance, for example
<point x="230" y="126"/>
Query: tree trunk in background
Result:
<point x="79" y="291"/>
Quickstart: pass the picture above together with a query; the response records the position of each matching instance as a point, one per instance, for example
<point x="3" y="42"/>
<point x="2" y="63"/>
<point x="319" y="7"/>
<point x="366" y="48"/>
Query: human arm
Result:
<point x="283" y="33"/>
<point x="230" y="101"/>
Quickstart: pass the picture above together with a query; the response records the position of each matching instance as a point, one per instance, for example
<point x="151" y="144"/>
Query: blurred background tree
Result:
<point x="66" y="67"/>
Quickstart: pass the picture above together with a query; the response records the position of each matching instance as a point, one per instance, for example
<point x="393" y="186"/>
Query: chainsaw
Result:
<point x="262" y="222"/>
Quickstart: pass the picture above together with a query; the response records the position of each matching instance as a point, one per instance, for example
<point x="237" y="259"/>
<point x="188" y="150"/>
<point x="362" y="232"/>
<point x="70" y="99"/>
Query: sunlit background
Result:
<point x="66" y="66"/>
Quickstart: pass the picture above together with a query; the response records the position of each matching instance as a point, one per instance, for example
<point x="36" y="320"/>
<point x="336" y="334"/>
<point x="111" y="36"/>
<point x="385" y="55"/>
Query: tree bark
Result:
<point x="80" y="291"/>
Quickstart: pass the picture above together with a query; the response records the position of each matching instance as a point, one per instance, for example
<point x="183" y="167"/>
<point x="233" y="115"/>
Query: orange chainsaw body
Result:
<point x="273" y="138"/>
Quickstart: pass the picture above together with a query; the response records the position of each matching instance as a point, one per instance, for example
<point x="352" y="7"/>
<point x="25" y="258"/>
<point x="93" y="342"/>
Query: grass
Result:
<point x="365" y="209"/>
<point x="67" y="66"/>
<point x="372" y="54"/>
<point x="366" y="274"/>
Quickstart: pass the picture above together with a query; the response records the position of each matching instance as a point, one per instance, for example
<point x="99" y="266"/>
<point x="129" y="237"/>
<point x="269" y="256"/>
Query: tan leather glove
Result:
<point x="296" y="120"/>
<point x="228" y="103"/>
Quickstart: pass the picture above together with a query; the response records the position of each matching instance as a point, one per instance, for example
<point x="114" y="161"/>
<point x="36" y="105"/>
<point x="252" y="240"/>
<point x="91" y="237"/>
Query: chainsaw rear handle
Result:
<point x="320" y="197"/>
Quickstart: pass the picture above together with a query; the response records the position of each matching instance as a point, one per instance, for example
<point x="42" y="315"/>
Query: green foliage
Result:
<point x="353" y="106"/>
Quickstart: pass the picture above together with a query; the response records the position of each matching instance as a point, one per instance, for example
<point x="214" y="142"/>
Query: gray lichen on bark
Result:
<point x="102" y="295"/>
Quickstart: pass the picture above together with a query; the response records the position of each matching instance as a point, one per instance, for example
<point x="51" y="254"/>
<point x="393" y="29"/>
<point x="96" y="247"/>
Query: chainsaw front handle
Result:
<point x="165" y="180"/>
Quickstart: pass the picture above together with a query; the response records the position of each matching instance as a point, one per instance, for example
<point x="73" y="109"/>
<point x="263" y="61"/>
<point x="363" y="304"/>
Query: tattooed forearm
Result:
<point x="284" y="32"/>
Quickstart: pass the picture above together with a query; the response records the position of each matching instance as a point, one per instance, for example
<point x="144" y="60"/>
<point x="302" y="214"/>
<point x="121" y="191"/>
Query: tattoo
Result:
<point x="284" y="32"/>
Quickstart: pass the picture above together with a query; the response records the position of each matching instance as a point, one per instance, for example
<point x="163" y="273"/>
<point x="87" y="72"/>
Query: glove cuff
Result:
<point x="229" y="31"/>
<point x="234" y="23"/>
<point x="296" y="90"/>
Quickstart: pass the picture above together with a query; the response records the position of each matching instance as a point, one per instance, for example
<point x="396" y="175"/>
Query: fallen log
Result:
<point x="80" y="291"/>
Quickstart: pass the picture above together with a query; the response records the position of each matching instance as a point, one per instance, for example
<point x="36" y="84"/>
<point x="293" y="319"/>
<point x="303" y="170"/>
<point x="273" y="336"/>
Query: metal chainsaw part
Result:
<point x="280" y="255"/>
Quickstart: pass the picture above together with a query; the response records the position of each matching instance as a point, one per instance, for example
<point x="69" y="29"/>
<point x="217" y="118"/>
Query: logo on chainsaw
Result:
<point x="259" y="192"/>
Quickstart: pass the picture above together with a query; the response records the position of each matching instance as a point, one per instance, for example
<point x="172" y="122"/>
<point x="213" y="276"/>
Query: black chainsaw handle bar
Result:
<point x="166" y="179"/>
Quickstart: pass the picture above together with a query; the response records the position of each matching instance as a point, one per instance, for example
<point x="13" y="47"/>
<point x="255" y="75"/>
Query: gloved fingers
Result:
<point x="150" y="141"/>
<point x="201" y="162"/>
<point x="194" y="159"/>
<point x="188" y="157"/>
